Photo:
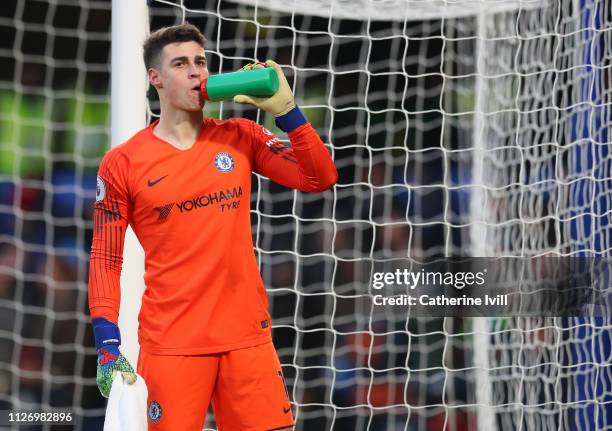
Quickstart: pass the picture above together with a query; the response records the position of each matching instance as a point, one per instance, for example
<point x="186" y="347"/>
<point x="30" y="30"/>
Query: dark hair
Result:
<point x="154" y="44"/>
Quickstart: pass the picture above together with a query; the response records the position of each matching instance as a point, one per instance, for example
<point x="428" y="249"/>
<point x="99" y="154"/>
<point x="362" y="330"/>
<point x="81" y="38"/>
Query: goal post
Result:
<point x="129" y="115"/>
<point x="478" y="246"/>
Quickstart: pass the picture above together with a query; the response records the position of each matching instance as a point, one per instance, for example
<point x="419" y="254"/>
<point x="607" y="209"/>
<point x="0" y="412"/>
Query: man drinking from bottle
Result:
<point x="184" y="184"/>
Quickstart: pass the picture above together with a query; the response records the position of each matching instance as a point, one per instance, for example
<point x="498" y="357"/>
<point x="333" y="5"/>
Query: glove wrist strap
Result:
<point x="291" y="120"/>
<point x="106" y="333"/>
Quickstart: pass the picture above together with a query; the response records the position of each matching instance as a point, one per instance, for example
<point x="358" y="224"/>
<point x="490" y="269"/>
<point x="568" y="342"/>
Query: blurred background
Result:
<point x="54" y="129"/>
<point x="455" y="132"/>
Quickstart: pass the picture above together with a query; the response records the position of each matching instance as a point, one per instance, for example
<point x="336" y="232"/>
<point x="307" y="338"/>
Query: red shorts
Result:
<point x="246" y="387"/>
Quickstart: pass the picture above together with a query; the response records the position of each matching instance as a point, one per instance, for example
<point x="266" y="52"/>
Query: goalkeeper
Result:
<point x="184" y="184"/>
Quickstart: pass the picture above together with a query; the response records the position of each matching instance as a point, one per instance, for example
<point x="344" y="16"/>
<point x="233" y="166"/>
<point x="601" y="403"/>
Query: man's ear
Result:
<point x="154" y="78"/>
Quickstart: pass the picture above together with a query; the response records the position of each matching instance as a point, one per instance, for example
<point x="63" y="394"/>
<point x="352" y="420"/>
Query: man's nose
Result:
<point x="194" y="71"/>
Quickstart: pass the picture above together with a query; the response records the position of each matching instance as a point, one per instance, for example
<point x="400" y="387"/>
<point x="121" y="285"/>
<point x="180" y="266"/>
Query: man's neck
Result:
<point x="179" y="128"/>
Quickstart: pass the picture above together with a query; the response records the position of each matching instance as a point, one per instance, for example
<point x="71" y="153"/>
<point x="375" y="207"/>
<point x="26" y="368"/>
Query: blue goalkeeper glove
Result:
<point x="110" y="359"/>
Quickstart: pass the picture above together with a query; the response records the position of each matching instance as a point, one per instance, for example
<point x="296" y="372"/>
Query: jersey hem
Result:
<point x="181" y="351"/>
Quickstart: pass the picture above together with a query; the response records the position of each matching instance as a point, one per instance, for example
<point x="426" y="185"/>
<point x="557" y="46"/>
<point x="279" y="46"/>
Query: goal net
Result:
<point x="54" y="129"/>
<point x="458" y="127"/>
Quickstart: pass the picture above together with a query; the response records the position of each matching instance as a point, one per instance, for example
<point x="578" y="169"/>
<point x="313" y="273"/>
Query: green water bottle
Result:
<point x="261" y="82"/>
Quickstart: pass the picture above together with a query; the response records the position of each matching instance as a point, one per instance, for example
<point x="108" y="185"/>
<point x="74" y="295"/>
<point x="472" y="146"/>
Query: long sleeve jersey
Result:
<point x="190" y="210"/>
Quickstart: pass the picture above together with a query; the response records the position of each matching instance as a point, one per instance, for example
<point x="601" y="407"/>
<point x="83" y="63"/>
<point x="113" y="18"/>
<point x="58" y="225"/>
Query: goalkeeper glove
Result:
<point x="110" y="360"/>
<point x="281" y="104"/>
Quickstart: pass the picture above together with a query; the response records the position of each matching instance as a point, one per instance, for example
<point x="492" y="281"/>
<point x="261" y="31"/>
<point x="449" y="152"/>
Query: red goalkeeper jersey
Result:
<point x="190" y="210"/>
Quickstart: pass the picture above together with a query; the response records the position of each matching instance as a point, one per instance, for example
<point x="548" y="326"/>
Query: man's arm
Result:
<point x="306" y="165"/>
<point x="110" y="224"/>
<point x="104" y="294"/>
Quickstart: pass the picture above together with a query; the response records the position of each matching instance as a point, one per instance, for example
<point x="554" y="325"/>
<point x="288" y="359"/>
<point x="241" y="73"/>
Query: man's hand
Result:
<point x="281" y="102"/>
<point x="110" y="359"/>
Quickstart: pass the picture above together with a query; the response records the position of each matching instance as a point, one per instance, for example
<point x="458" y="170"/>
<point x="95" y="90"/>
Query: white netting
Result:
<point x="473" y="128"/>
<point x="543" y="115"/>
<point x="458" y="128"/>
<point x="54" y="127"/>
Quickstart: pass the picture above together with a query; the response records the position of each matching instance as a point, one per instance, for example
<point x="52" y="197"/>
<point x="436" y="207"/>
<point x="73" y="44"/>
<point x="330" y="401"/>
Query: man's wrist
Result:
<point x="113" y="349"/>
<point x="106" y="333"/>
<point x="291" y="120"/>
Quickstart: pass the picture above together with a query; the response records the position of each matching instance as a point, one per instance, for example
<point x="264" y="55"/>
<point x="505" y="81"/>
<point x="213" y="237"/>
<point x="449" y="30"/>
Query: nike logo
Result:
<point x="152" y="183"/>
<point x="286" y="409"/>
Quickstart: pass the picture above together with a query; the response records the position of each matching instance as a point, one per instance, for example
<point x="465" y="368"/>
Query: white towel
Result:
<point x="127" y="406"/>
